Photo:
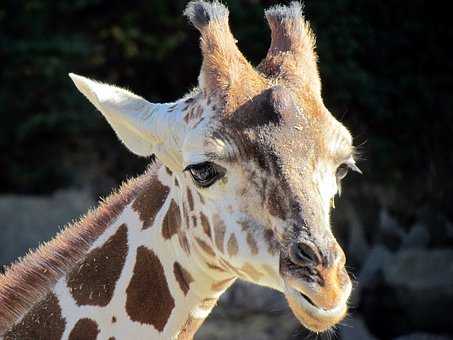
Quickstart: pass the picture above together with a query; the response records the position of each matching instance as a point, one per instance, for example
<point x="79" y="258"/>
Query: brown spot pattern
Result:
<point x="205" y="224"/>
<point x="150" y="201"/>
<point x="190" y="328"/>
<point x="232" y="245"/>
<point x="84" y="329"/>
<point x="219" y="235"/>
<point x="43" y="321"/>
<point x="184" y="242"/>
<point x="254" y="274"/>
<point x="201" y="198"/>
<point x="113" y="319"/>
<point x="252" y="243"/>
<point x="215" y="267"/>
<point x="271" y="241"/>
<point x="206" y="247"/>
<point x="222" y="285"/>
<point x="92" y="281"/>
<point x="190" y="199"/>
<point x="172" y="221"/>
<point x="183" y="277"/>
<point x="149" y="300"/>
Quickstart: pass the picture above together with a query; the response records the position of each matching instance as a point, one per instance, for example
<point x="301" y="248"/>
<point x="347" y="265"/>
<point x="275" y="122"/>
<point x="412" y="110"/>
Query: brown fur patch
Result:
<point x="231" y="268"/>
<point x="275" y="203"/>
<point x="222" y="285"/>
<point x="184" y="242"/>
<point x="172" y="221"/>
<point x="183" y="277"/>
<point x="28" y="281"/>
<point x="215" y="267"/>
<point x="232" y="245"/>
<point x="190" y="328"/>
<point x="190" y="199"/>
<point x="206" y="247"/>
<point x="43" y="321"/>
<point x="149" y="299"/>
<point x="272" y="244"/>
<point x="252" y="243"/>
<point x="150" y="201"/>
<point x="251" y="272"/>
<point x="219" y="233"/>
<point x="92" y="282"/>
<point x="205" y="224"/>
<point x="84" y="329"/>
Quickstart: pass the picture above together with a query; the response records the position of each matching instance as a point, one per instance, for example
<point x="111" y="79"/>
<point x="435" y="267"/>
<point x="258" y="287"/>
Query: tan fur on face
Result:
<point x="232" y="245"/>
<point x="190" y="328"/>
<point x="251" y="272"/>
<point x="206" y="247"/>
<point x="222" y="285"/>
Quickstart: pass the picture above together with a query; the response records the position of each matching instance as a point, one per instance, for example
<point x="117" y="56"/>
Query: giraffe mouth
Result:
<point x="314" y="317"/>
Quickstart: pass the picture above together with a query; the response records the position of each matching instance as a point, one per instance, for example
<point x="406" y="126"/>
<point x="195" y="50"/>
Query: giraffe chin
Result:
<point x="312" y="317"/>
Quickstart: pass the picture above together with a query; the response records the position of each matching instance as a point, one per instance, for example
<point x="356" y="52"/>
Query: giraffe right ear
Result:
<point x="132" y="117"/>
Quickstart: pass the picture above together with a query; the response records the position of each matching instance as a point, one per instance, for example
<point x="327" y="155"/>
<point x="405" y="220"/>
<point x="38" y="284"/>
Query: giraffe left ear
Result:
<point x="132" y="117"/>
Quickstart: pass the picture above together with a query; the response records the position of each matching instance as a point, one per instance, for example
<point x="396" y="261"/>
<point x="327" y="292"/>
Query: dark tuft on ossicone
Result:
<point x="280" y="12"/>
<point x="201" y="13"/>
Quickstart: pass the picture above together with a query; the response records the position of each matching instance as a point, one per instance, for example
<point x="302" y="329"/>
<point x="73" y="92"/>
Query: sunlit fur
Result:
<point x="280" y="149"/>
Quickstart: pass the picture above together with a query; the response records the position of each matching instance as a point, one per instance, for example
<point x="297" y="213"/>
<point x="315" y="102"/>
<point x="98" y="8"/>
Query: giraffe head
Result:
<point x="261" y="150"/>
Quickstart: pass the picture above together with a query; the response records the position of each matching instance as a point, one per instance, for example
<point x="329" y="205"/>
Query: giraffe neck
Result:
<point x="145" y="276"/>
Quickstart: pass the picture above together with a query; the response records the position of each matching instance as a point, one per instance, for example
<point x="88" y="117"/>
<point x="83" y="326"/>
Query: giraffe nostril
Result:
<point x="303" y="254"/>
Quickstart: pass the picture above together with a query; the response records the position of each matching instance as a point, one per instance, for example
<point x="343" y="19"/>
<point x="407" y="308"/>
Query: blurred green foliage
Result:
<point x="386" y="74"/>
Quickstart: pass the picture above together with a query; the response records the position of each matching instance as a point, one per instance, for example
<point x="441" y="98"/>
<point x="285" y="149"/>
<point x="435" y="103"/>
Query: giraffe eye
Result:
<point x="205" y="174"/>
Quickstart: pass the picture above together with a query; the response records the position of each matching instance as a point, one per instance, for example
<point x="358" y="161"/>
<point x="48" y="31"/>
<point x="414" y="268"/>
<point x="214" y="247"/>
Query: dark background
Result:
<point x="386" y="69"/>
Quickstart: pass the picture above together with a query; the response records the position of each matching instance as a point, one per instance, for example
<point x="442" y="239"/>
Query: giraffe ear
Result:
<point x="130" y="116"/>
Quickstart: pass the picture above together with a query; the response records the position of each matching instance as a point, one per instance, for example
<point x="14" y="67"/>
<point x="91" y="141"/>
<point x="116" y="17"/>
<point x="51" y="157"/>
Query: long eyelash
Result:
<point x="358" y="151"/>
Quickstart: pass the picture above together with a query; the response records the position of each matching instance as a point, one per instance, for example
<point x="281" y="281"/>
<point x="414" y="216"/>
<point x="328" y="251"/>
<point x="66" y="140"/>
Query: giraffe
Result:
<point x="247" y="167"/>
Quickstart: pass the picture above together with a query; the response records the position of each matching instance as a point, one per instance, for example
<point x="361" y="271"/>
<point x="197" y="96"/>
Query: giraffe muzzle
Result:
<point x="316" y="289"/>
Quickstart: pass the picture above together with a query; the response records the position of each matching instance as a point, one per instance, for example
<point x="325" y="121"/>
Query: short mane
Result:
<point x="30" y="279"/>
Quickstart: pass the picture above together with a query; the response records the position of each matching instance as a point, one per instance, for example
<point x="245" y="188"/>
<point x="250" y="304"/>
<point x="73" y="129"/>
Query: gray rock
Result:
<point x="28" y="220"/>
<point x="378" y="258"/>
<point x="421" y="282"/>
<point x="417" y="237"/>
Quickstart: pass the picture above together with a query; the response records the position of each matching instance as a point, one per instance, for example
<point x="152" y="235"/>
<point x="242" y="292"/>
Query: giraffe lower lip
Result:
<point x="311" y="315"/>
